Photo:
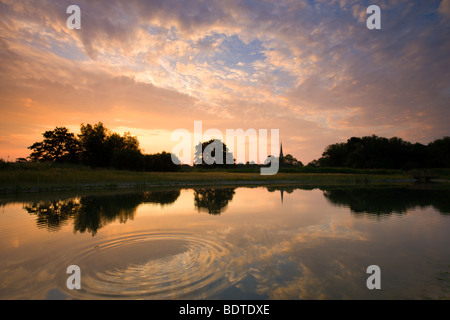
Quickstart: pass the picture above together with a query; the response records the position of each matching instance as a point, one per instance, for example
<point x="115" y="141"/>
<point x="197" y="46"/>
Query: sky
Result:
<point x="311" y="69"/>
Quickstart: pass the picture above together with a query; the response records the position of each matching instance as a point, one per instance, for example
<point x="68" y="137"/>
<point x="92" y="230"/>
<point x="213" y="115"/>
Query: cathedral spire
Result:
<point x="281" y="151"/>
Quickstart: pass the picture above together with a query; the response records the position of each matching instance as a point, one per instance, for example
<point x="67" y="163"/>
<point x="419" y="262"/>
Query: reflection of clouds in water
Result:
<point x="20" y="278"/>
<point x="300" y="287"/>
<point x="328" y="258"/>
<point x="303" y="249"/>
<point x="303" y="263"/>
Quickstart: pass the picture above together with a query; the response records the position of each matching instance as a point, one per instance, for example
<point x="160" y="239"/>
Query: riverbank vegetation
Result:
<point x="36" y="177"/>
<point x="99" y="158"/>
<point x="98" y="147"/>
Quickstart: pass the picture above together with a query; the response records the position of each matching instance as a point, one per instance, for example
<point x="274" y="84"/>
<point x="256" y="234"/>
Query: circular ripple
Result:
<point x="156" y="266"/>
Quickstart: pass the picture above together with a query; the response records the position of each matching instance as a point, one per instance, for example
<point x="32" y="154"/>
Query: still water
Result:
<point x="228" y="243"/>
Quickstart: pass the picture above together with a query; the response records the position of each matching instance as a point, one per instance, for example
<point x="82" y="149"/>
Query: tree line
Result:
<point x="213" y="159"/>
<point x="373" y="152"/>
<point x="96" y="146"/>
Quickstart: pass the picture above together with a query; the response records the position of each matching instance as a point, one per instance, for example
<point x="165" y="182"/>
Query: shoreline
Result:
<point x="48" y="179"/>
<point x="11" y="190"/>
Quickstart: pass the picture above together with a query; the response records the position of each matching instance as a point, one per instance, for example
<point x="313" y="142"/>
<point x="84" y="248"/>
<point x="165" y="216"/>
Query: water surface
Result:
<point x="228" y="243"/>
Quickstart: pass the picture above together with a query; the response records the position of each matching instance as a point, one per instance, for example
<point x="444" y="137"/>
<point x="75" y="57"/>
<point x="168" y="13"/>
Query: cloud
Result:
<point x="313" y="71"/>
<point x="444" y="8"/>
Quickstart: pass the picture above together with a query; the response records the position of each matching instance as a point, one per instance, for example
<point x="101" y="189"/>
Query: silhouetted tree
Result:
<point x="217" y="154"/>
<point x="161" y="162"/>
<point x="373" y="152"/>
<point x="97" y="146"/>
<point x="94" y="152"/>
<point x="115" y="143"/>
<point x="289" y="161"/>
<point x="439" y="153"/>
<point x="128" y="159"/>
<point x="101" y="148"/>
<point x="59" y="145"/>
<point x="334" y="155"/>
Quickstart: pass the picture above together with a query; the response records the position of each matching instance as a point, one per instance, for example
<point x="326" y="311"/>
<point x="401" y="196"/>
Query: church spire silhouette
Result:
<point x="281" y="151"/>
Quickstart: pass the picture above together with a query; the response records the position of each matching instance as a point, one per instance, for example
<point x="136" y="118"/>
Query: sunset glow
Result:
<point x="311" y="69"/>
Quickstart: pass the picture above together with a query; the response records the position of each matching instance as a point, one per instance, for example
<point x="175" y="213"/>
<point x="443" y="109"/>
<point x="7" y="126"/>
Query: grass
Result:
<point x="34" y="177"/>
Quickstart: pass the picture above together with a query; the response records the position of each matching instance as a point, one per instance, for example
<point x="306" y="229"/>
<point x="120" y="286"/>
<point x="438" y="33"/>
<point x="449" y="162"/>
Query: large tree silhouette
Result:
<point x="101" y="148"/>
<point x="213" y="153"/>
<point x="59" y="145"/>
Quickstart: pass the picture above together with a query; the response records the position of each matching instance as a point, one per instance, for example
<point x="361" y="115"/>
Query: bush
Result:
<point x="128" y="160"/>
<point x="160" y="162"/>
<point x="3" y="164"/>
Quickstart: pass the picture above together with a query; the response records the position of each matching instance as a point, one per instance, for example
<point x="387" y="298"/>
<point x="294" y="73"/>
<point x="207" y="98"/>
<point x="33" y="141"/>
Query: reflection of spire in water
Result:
<point x="281" y="196"/>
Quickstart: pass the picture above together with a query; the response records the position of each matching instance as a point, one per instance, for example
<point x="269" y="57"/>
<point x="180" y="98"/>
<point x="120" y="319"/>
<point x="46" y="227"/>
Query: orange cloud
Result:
<point x="314" y="72"/>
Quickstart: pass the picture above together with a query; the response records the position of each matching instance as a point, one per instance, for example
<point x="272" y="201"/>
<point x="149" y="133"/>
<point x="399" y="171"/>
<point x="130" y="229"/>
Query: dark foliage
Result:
<point x="212" y="154"/>
<point x="160" y="162"/>
<point x="97" y="147"/>
<point x="373" y="152"/>
<point x="59" y="145"/>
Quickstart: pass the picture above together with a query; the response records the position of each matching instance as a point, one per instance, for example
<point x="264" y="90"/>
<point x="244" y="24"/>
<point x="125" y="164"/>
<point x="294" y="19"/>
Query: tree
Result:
<point x="313" y="164"/>
<point x="213" y="153"/>
<point x="373" y="152"/>
<point x="161" y="162"/>
<point x="115" y="142"/>
<point x="124" y="152"/>
<point x="439" y="153"/>
<point x="93" y="147"/>
<point x="59" y="145"/>
<point x="334" y="155"/>
<point x="101" y="148"/>
<point x="289" y="161"/>
<point x="270" y="158"/>
<point x="127" y="159"/>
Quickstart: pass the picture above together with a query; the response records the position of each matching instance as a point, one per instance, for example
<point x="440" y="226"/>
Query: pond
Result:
<point x="273" y="242"/>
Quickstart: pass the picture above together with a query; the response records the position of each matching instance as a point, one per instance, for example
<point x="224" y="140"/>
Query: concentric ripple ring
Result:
<point x="171" y="265"/>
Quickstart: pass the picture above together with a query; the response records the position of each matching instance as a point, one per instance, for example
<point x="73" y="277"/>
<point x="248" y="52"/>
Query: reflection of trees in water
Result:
<point x="288" y="189"/>
<point x="91" y="213"/>
<point x="52" y="215"/>
<point x="161" y="197"/>
<point x="378" y="201"/>
<point x="386" y="201"/>
<point x="213" y="200"/>
<point x="98" y="211"/>
<point x="282" y="189"/>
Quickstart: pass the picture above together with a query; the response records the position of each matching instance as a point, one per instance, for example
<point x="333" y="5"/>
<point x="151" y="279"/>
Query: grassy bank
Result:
<point x="30" y="177"/>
